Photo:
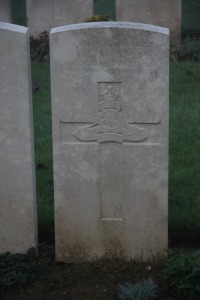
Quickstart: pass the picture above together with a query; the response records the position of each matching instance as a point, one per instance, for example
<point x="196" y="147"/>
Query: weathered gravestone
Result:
<point x="110" y="140"/>
<point x="5" y="11"/>
<point x="18" y="226"/>
<point x="157" y="12"/>
<point x="43" y="15"/>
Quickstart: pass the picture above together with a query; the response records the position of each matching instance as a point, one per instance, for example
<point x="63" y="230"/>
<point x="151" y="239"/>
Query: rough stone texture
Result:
<point x="110" y="140"/>
<point x="5" y="11"/>
<point x="157" y="12"/>
<point x="42" y="15"/>
<point x="18" y="226"/>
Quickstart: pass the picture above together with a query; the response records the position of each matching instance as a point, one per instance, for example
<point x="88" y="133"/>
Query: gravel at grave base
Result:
<point x="87" y="281"/>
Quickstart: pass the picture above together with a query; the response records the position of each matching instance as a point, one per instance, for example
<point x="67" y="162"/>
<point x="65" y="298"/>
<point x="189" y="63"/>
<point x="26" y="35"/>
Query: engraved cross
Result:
<point x="110" y="131"/>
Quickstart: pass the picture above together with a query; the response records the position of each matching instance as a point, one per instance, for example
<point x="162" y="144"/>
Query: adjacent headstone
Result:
<point x="5" y="11"/>
<point x="18" y="226"/>
<point x="42" y="15"/>
<point x="110" y="140"/>
<point x="161" y="13"/>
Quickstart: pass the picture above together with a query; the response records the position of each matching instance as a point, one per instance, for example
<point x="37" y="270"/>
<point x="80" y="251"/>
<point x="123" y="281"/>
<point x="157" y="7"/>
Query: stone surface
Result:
<point x="161" y="13"/>
<point x="18" y="226"/>
<point x="5" y="11"/>
<point x="42" y="15"/>
<point x="110" y="140"/>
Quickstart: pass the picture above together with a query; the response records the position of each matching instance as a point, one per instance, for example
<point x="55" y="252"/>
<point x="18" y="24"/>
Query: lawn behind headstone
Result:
<point x="184" y="191"/>
<point x="184" y="174"/>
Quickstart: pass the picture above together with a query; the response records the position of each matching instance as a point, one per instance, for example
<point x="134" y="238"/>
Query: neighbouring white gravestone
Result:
<point x="5" y="11"/>
<point x="42" y="15"/>
<point x="18" y="226"/>
<point x="110" y="140"/>
<point x="157" y="12"/>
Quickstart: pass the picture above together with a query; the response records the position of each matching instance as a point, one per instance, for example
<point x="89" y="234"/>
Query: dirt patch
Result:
<point x="87" y="281"/>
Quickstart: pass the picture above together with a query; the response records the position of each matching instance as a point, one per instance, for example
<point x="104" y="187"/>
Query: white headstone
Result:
<point x="42" y="15"/>
<point x="110" y="140"/>
<point x="18" y="223"/>
<point x="5" y="11"/>
<point x="157" y="12"/>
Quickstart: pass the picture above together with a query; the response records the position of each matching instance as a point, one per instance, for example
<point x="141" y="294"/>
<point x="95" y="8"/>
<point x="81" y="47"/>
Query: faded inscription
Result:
<point x="109" y="54"/>
<point x="117" y="42"/>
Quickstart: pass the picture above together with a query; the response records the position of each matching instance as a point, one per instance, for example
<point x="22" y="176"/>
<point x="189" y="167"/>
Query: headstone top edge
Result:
<point x="13" y="27"/>
<point x="125" y="25"/>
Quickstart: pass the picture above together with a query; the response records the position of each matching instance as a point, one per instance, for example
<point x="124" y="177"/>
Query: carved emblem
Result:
<point x="111" y="125"/>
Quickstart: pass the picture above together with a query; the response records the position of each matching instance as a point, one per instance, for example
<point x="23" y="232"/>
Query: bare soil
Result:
<point x="87" y="281"/>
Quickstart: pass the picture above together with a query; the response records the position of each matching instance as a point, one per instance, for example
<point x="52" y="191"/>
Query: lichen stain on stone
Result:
<point x="115" y="250"/>
<point x="73" y="253"/>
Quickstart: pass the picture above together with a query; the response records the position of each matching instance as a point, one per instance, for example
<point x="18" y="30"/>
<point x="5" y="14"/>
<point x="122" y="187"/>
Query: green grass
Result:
<point x="19" y="12"/>
<point x="191" y="14"/>
<point x="105" y="7"/>
<point x="43" y="149"/>
<point x="184" y="174"/>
